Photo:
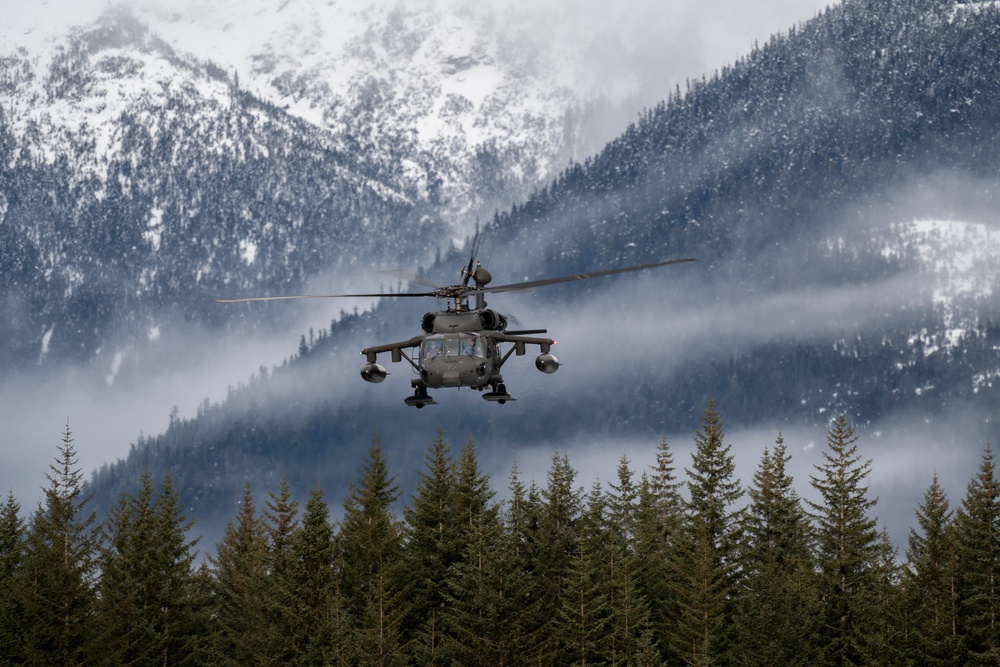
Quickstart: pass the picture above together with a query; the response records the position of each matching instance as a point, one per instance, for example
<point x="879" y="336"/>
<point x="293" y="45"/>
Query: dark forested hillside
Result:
<point x="822" y="123"/>
<point x="798" y="176"/>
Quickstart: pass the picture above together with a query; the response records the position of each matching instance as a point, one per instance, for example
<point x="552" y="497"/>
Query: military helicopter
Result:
<point x="462" y="346"/>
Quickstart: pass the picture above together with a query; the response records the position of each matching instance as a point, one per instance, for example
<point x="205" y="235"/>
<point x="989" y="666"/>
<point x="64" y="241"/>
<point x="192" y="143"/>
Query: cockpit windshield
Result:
<point x="451" y="346"/>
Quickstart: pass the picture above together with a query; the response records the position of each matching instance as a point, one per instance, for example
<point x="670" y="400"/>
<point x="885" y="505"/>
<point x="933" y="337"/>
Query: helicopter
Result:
<point x="462" y="346"/>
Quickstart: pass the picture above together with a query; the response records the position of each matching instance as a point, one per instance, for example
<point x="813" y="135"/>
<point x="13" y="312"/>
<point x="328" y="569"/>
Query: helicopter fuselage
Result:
<point x="463" y="359"/>
<point x="460" y="348"/>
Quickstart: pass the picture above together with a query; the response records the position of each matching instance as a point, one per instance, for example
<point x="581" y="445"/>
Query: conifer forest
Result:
<point x="662" y="564"/>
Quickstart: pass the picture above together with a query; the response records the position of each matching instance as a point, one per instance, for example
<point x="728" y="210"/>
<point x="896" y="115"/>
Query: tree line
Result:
<point x="645" y="569"/>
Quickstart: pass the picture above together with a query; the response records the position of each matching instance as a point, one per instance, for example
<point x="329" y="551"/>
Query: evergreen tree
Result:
<point x="777" y="620"/>
<point x="149" y="602"/>
<point x="280" y="524"/>
<point x="697" y="636"/>
<point x="280" y="601"/>
<point x="628" y="605"/>
<point x="659" y="521"/>
<point x="477" y="610"/>
<point x="583" y="619"/>
<point x="370" y="559"/>
<point x="883" y="636"/>
<point x="11" y="570"/>
<point x="713" y="490"/>
<point x="430" y="549"/>
<point x="978" y="530"/>
<point x="848" y="547"/>
<point x="930" y="583"/>
<point x="705" y="564"/>
<point x="318" y="627"/>
<point x="127" y="631"/>
<point x="522" y="581"/>
<point x="183" y="593"/>
<point x="555" y="542"/>
<point x="57" y="589"/>
<point x="240" y="570"/>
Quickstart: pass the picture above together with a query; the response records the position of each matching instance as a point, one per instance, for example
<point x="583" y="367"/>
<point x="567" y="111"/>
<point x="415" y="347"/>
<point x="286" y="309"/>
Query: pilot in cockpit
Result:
<point x="470" y="347"/>
<point x="433" y="349"/>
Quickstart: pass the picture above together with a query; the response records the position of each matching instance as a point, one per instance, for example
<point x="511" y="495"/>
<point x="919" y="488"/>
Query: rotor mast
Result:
<point x="459" y="294"/>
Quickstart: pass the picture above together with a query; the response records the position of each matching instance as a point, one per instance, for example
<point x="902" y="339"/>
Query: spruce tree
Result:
<point x="430" y="549"/>
<point x="239" y="574"/>
<point x="659" y="522"/>
<point x="582" y="617"/>
<point x="317" y="626"/>
<point x="555" y="543"/>
<point x="883" y="636"/>
<point x="777" y="617"/>
<point x="978" y="531"/>
<point x="523" y="584"/>
<point x="11" y="570"/>
<point x="477" y="614"/>
<point x="280" y="603"/>
<point x="370" y="565"/>
<point x="582" y="627"/>
<point x="183" y="620"/>
<point x="628" y="605"/>
<point x="150" y="607"/>
<point x="929" y="583"/>
<point x="705" y="563"/>
<point x="713" y="489"/>
<point x="57" y="592"/>
<point x="280" y="522"/>
<point x="697" y="635"/>
<point x="848" y="547"/>
<point x="127" y="632"/>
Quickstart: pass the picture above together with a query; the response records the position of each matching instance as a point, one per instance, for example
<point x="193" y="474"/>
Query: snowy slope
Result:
<point x="466" y="104"/>
<point x="423" y="92"/>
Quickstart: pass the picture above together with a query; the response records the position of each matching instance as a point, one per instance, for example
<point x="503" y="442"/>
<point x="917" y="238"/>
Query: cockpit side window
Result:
<point x="471" y="346"/>
<point x="432" y="349"/>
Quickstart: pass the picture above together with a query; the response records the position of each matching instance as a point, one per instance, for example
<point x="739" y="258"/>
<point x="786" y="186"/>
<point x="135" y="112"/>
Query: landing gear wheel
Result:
<point x="498" y="394"/>
<point x="419" y="398"/>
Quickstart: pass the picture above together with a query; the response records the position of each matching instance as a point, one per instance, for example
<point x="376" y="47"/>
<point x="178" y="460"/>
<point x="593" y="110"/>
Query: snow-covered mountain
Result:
<point x="447" y="99"/>
<point x="466" y="104"/>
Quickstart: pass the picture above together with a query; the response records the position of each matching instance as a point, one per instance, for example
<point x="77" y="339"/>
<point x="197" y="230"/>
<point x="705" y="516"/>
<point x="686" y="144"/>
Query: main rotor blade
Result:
<point x="320" y="296"/>
<point x="583" y="276"/>
<point x="408" y="277"/>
